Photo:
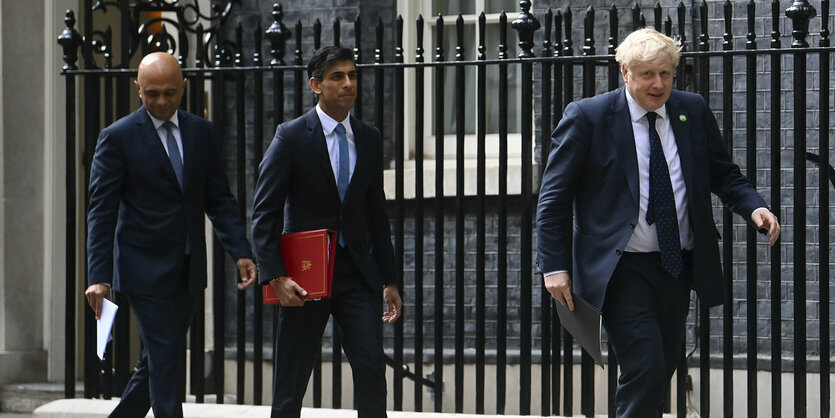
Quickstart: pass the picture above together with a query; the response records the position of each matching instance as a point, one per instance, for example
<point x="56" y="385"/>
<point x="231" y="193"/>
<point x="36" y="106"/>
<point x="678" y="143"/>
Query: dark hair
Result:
<point x="325" y="57"/>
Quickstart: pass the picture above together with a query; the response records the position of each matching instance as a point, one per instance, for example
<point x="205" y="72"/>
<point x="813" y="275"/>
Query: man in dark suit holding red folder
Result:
<point x="324" y="170"/>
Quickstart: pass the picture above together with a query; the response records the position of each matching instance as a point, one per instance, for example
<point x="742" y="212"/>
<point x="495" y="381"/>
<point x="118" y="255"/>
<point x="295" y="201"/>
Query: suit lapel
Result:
<point x="363" y="153"/>
<point x="684" y="137"/>
<point x="620" y="128"/>
<point x="319" y="149"/>
<point x="189" y="147"/>
<point x="148" y="135"/>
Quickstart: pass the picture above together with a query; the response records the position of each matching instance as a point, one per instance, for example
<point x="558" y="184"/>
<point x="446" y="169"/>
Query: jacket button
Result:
<point x="618" y="252"/>
<point x="631" y="226"/>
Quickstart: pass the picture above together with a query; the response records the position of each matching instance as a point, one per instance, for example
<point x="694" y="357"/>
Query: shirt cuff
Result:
<point x="758" y="209"/>
<point x="554" y="272"/>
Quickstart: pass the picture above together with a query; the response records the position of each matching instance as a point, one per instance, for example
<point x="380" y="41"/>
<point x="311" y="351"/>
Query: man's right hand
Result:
<point x="559" y="286"/>
<point x="289" y="292"/>
<point x="96" y="294"/>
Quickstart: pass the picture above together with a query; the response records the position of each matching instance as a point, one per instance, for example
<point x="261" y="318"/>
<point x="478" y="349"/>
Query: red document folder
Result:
<point x="308" y="258"/>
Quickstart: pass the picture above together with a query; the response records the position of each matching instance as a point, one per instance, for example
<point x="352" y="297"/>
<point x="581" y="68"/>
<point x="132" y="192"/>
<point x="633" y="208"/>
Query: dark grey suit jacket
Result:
<point x="592" y="177"/>
<point x="296" y="191"/>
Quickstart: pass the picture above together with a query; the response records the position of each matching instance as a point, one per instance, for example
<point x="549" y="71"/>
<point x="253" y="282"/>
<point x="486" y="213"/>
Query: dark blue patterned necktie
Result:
<point x="174" y="152"/>
<point x="661" y="208"/>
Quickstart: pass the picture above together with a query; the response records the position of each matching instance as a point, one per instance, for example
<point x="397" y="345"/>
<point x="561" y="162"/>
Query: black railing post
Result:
<point x="776" y="288"/>
<point x="681" y="74"/>
<point x="481" y="241"/>
<point x="800" y="13"/>
<point x="257" y="154"/>
<point x="439" y="218"/>
<point x="727" y="219"/>
<point x="704" y="312"/>
<point x="299" y="75"/>
<point x="219" y="257"/>
<point x="317" y="35"/>
<point x="277" y="34"/>
<point x="568" y="97"/>
<point x="197" y="343"/>
<point x="525" y="25"/>
<point x="557" y="108"/>
<point x="568" y="67"/>
<point x="419" y="210"/>
<point x="824" y="216"/>
<point x="400" y="215"/>
<point x="586" y="362"/>
<point x="637" y="17"/>
<point x="240" y="166"/>
<point x="544" y="148"/>
<point x="751" y="233"/>
<point x="358" y="59"/>
<point x="588" y="50"/>
<point x="658" y="15"/>
<point x="70" y="41"/>
<point x="614" y="81"/>
<point x="460" y="135"/>
<point x="501" y="265"/>
<point x="614" y="75"/>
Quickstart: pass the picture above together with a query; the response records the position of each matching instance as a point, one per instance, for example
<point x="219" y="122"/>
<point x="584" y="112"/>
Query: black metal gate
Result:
<point x="465" y="256"/>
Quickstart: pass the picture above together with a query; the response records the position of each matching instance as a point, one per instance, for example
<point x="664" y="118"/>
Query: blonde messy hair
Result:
<point x="647" y="45"/>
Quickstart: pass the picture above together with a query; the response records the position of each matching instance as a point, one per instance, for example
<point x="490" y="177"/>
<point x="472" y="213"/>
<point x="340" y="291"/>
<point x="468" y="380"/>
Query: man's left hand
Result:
<point x="765" y="220"/>
<point x="248" y="272"/>
<point x="392" y="297"/>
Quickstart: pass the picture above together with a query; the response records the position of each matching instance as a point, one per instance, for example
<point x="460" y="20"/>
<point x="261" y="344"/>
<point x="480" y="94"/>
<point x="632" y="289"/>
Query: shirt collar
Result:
<point x="636" y="111"/>
<point x="329" y="123"/>
<point x="158" y="122"/>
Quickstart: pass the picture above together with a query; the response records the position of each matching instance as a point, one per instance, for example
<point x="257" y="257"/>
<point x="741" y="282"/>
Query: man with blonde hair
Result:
<point x="635" y="168"/>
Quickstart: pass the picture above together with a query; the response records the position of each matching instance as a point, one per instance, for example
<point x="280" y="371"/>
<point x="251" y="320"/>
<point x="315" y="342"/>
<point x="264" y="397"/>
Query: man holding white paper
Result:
<point x="156" y="174"/>
<point x="104" y="325"/>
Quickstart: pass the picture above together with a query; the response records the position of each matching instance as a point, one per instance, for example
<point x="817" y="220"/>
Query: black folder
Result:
<point x="584" y="324"/>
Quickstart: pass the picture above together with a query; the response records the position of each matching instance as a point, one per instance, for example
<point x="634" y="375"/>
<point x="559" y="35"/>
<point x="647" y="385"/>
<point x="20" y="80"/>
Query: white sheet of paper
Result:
<point x="104" y="325"/>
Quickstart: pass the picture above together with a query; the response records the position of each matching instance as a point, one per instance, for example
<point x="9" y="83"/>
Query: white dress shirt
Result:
<point x="644" y="238"/>
<point x="163" y="134"/>
<point x="332" y="142"/>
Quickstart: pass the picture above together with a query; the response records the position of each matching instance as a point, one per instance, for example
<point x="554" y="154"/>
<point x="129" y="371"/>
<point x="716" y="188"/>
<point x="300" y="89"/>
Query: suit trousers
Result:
<point x="644" y="312"/>
<point x="157" y="381"/>
<point x="357" y="313"/>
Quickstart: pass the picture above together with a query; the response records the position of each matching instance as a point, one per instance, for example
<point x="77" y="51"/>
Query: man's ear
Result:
<point x="314" y="85"/>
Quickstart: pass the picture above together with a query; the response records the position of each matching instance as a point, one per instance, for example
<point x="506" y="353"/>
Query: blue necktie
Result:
<point x="174" y="152"/>
<point x="342" y="175"/>
<point x="342" y="171"/>
<point x="661" y="208"/>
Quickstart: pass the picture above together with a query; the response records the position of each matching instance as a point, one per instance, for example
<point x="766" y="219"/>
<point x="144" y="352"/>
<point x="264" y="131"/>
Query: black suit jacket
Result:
<point x="296" y="191"/>
<point x="139" y="219"/>
<point x="592" y="174"/>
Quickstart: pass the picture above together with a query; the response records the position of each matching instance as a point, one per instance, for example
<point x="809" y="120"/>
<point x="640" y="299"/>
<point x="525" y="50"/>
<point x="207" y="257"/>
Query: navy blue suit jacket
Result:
<point x="139" y="218"/>
<point x="296" y="191"/>
<point x="592" y="176"/>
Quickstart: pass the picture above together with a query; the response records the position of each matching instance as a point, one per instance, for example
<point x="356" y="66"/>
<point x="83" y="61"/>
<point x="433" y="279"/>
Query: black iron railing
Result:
<point x="466" y="257"/>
